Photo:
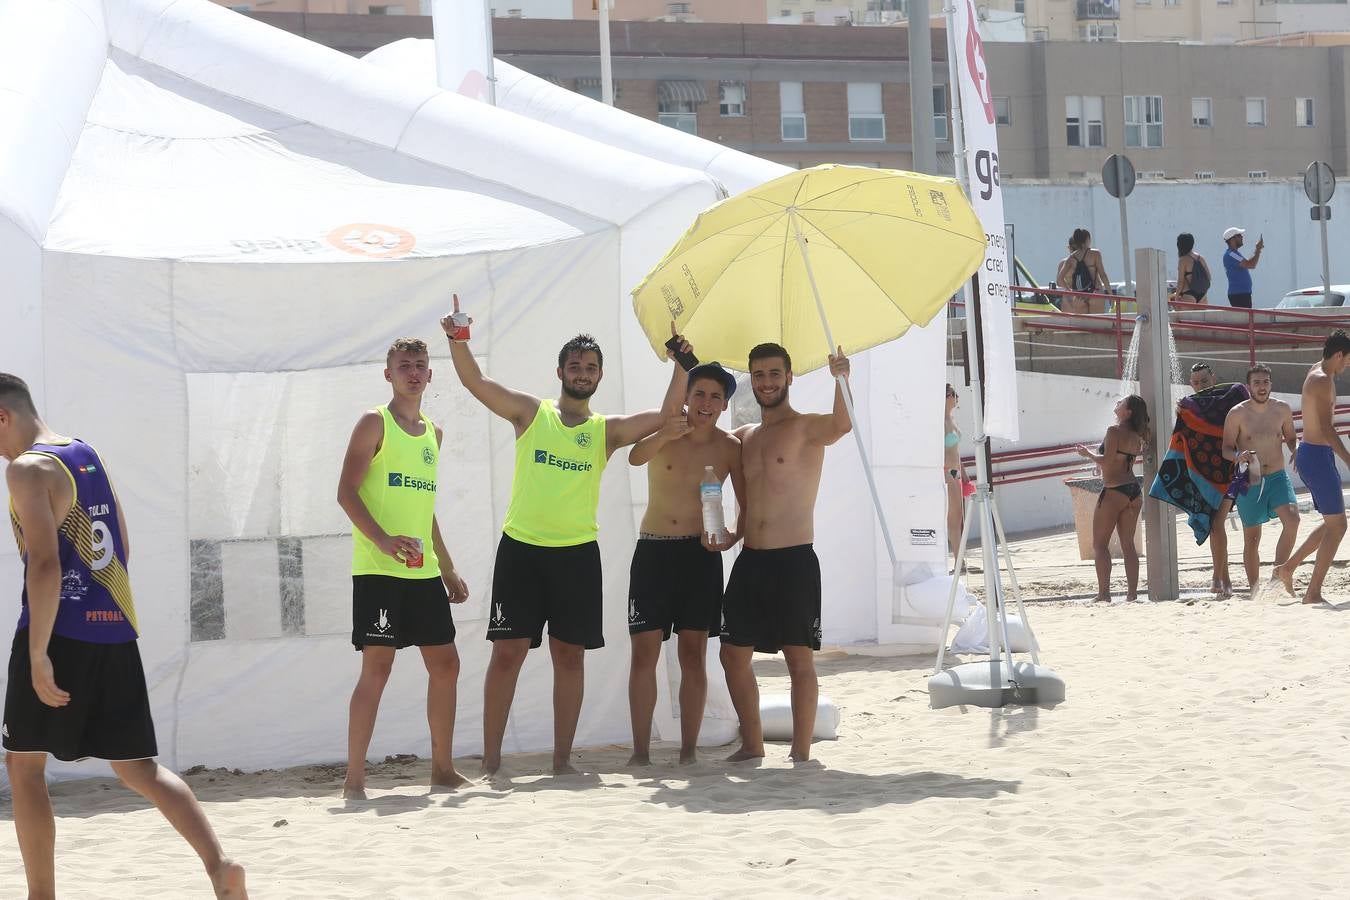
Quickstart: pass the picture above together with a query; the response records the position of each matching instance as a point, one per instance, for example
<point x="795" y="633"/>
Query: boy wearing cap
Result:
<point x="675" y="582"/>
<point x="1238" y="268"/>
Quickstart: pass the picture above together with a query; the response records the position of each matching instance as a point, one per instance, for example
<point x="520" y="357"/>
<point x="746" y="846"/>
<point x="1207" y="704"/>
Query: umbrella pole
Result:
<point x="848" y="398"/>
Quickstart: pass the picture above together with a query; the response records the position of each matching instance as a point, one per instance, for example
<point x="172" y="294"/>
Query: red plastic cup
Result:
<point x="459" y="326"/>
<point x="415" y="560"/>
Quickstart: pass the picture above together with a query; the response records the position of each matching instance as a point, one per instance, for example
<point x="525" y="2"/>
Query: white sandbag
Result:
<point x="973" y="636"/>
<point x="775" y="714"/>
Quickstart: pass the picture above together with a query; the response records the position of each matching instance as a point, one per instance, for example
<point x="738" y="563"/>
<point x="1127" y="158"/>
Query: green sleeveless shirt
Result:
<point x="400" y="491"/>
<point x="556" y="487"/>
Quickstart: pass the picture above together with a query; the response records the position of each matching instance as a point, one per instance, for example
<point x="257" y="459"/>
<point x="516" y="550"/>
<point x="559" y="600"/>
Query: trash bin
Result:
<point x="1084" y="491"/>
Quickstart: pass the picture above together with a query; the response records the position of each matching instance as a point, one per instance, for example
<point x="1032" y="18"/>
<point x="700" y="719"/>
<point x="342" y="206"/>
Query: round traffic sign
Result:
<point x="1319" y="182"/>
<point x="1118" y="175"/>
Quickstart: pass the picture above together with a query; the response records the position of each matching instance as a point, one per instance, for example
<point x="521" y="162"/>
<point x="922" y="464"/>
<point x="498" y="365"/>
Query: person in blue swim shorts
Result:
<point x="1253" y="435"/>
<point x="1315" y="462"/>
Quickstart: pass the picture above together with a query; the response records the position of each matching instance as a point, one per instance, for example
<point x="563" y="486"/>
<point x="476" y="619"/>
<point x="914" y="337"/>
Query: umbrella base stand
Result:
<point x="995" y="684"/>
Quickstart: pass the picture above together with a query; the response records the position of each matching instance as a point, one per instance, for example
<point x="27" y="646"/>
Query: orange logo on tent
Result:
<point x="372" y="240"/>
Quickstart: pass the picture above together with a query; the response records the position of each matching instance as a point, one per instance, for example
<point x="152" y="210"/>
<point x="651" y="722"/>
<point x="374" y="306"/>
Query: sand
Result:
<point x="1204" y="751"/>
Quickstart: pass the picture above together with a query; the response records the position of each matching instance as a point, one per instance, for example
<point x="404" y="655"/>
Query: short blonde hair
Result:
<point x="405" y="345"/>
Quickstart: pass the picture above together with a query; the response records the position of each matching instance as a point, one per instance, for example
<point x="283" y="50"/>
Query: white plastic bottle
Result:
<point x="710" y="490"/>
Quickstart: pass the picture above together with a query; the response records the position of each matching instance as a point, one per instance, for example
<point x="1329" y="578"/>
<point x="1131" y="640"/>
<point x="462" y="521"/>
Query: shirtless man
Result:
<point x="1316" y="464"/>
<point x="772" y="600"/>
<point x="76" y="686"/>
<point x="547" y="569"/>
<point x="1256" y="428"/>
<point x="676" y="578"/>
<point x="1202" y="379"/>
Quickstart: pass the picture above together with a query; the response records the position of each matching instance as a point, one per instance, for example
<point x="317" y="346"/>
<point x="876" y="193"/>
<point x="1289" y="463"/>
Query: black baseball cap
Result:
<point x="714" y="370"/>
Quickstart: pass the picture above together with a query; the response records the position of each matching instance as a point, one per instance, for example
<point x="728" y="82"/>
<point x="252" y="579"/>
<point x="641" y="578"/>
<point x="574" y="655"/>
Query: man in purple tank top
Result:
<point x="76" y="687"/>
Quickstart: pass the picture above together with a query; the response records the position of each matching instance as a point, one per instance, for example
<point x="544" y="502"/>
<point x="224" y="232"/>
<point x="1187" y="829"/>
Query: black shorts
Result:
<point x="1241" y="301"/>
<point x="561" y="586"/>
<point x="674" y="584"/>
<point x="400" y="612"/>
<point x="773" y="600"/>
<point x="108" y="716"/>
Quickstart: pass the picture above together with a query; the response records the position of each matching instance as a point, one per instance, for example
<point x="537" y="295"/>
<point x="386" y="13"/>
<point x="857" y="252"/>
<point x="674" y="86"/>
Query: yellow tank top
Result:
<point x="400" y="491"/>
<point x="556" y="487"/>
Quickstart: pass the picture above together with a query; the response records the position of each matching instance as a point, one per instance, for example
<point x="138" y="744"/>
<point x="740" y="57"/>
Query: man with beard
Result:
<point x="772" y="600"/>
<point x="1255" y="429"/>
<point x="547" y="569"/>
<point x="675" y="583"/>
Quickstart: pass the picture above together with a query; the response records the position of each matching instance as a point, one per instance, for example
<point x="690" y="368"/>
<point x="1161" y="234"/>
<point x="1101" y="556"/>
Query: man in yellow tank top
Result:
<point x="402" y="574"/>
<point x="547" y="569"/>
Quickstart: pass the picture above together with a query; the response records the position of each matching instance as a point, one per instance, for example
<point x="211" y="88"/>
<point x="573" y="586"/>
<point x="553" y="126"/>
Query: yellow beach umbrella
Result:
<point x="824" y="257"/>
<point x="886" y="249"/>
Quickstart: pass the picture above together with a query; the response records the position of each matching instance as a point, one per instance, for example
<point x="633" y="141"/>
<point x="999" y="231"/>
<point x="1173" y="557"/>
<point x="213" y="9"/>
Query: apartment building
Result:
<point x="1198" y="21"/>
<point x="803" y="96"/>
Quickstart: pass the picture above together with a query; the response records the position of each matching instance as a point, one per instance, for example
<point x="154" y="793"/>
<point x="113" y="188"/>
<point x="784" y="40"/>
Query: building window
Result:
<point x="1225" y="2"/>
<point x="1083" y="122"/>
<point x="677" y="9"/>
<point x="1040" y="34"/>
<point x="1099" y="31"/>
<point x="1256" y="111"/>
<point x="1204" y="176"/>
<point x="731" y="98"/>
<point x="1144" y="122"/>
<point x="1171" y="2"/>
<point x="388" y="10"/>
<point x="793" y="121"/>
<point x="1201" y="112"/>
<point x="1002" y="111"/>
<point x="678" y="104"/>
<point x="1303" y="112"/>
<point x="1019" y="6"/>
<point x="940" y="113"/>
<point x="1258" y="174"/>
<point x="866" y="122"/>
<point x="1155" y="175"/>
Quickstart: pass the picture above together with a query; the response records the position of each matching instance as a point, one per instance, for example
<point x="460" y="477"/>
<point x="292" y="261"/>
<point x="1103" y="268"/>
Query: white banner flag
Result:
<point x="986" y="196"/>
<point x="463" y="33"/>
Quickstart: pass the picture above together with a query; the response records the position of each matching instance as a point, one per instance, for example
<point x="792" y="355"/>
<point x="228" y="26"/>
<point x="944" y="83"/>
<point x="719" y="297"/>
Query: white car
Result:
<point x="1310" y="297"/>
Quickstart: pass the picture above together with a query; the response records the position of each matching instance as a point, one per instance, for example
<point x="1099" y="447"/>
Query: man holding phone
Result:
<point x="1238" y="268"/>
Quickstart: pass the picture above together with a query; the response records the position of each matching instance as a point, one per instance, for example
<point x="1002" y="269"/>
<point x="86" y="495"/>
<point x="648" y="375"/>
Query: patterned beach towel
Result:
<point x="1193" y="474"/>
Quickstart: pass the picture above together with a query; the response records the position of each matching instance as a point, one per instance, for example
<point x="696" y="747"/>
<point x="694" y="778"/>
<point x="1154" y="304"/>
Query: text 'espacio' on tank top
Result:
<point x="96" y="604"/>
<point x="555" y="490"/>
<point x="399" y="491"/>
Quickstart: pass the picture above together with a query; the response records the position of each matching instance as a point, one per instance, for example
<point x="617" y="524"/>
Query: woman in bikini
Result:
<point x="954" y="474"/>
<point x="1122" y="498"/>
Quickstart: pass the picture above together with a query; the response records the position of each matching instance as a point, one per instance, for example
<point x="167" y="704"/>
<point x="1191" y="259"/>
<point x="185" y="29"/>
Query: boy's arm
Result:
<point x="516" y="407"/>
<point x="455" y="587"/>
<point x="30" y="486"/>
<point x="365" y="441"/>
<point x="620" y="431"/>
<point x="645" y="450"/>
<point x="1232" y="425"/>
<point x="826" y="429"/>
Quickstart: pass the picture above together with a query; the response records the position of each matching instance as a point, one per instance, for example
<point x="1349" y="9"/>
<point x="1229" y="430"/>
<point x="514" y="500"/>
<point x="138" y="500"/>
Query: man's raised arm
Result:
<point x="516" y="407"/>
<point x="829" y="428"/>
<point x="620" y="431"/>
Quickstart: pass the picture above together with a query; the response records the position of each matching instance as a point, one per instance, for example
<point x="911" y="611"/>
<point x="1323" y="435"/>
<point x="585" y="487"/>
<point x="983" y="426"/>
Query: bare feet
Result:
<point x="688" y="757"/>
<point x="228" y="880"/>
<point x="1313" y="599"/>
<point x="1102" y="598"/>
<point x="746" y="753"/>
<point x="353" y="791"/>
<point x="1285" y="576"/>
<point x="448" y="778"/>
<point x="639" y="759"/>
<point x="565" y="769"/>
<point x="490" y="767"/>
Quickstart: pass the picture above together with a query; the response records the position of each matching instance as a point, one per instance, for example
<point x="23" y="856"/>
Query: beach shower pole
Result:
<point x="1155" y="386"/>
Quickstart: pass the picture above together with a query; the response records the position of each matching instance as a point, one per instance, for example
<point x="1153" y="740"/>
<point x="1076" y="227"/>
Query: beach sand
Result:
<point x="1203" y="751"/>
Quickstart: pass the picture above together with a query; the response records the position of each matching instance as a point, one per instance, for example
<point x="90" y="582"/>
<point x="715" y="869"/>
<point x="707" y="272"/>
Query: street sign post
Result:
<point x="1319" y="183"/>
<point x="1118" y="179"/>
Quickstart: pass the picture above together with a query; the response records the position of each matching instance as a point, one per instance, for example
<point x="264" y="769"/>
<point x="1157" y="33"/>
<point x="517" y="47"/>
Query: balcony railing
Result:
<point x="1098" y="9"/>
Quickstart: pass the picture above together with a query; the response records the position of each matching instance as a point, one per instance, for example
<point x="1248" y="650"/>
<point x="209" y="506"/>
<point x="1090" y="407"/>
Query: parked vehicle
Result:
<point x="1312" y="297"/>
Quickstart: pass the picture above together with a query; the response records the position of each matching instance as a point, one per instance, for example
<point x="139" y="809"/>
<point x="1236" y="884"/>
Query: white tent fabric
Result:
<point x="209" y="232"/>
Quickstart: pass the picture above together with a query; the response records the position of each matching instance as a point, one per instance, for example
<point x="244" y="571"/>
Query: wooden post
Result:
<point x="1155" y="386"/>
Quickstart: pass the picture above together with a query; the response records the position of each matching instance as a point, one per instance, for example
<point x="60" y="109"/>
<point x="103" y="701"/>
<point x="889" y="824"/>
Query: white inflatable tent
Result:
<point x="209" y="232"/>
<point x="859" y="606"/>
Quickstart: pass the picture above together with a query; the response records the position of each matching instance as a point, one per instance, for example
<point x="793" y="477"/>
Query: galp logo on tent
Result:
<point x="372" y="240"/>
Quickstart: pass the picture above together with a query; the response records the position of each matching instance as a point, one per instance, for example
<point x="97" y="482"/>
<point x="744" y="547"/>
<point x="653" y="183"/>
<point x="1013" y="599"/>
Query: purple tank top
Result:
<point x="96" y="604"/>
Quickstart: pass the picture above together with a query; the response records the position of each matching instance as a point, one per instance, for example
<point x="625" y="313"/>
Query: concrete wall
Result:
<point x="1045" y="214"/>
